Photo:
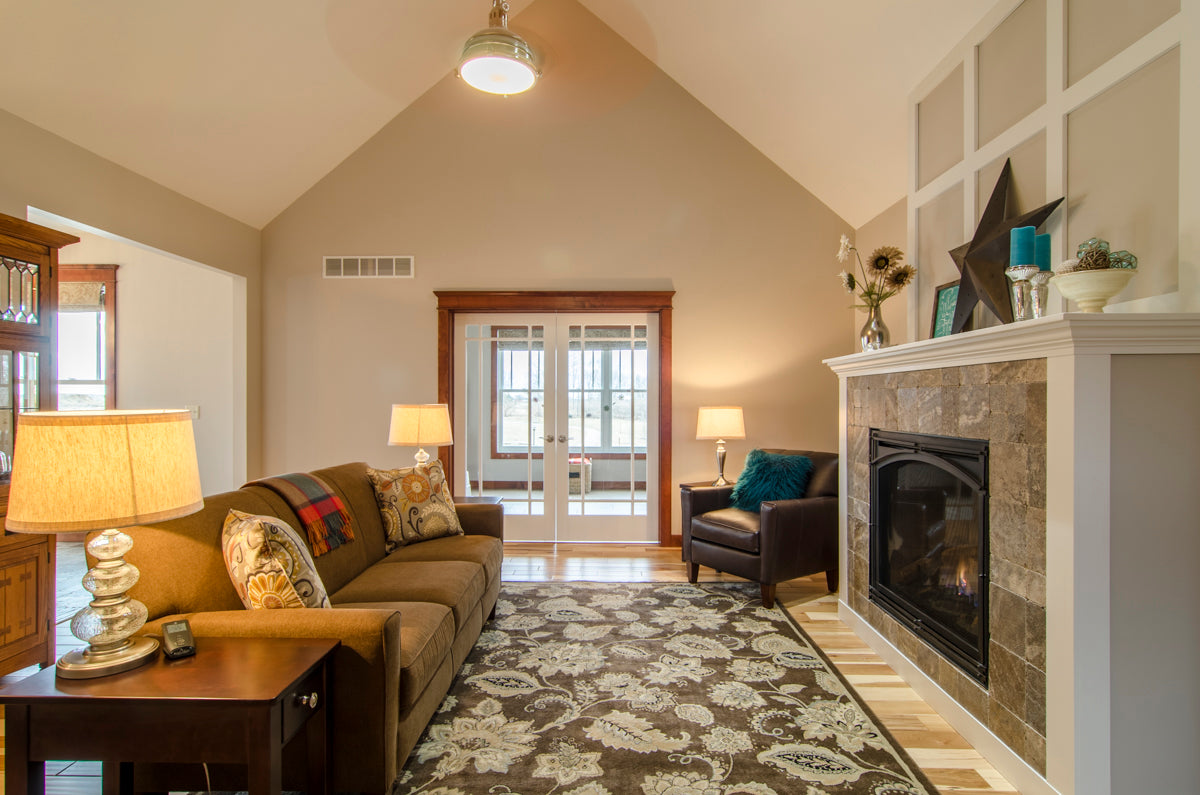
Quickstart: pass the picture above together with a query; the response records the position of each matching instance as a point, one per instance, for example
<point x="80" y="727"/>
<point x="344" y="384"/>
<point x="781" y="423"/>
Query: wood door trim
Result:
<point x="451" y="302"/>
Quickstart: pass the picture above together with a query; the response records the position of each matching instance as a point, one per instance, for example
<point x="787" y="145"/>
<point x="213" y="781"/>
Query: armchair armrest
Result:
<point x="481" y="519"/>
<point x="697" y="499"/>
<point x="798" y="537"/>
<point x="365" y="684"/>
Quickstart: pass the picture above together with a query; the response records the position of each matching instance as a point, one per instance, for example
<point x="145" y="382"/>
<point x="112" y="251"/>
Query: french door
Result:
<point x="560" y="419"/>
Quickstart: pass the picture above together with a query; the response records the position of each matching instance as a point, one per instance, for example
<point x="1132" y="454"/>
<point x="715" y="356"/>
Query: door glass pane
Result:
<point x="607" y="415"/>
<point x="506" y="419"/>
<point x="28" y="394"/>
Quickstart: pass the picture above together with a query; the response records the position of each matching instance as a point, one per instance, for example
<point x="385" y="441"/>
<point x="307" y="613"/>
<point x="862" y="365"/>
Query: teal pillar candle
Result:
<point x="1020" y="246"/>
<point x="1041" y="252"/>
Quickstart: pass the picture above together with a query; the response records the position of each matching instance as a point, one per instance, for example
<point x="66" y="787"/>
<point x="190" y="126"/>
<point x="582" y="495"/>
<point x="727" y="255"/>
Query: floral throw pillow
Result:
<point x="269" y="564"/>
<point x="415" y="503"/>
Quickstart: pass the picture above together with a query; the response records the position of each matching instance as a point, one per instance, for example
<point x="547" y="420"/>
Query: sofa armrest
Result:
<point x="481" y="519"/>
<point x="695" y="500"/>
<point x="365" y="683"/>
<point x="798" y="535"/>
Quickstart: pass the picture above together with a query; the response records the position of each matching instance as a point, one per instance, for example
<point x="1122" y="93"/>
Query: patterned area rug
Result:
<point x="655" y="688"/>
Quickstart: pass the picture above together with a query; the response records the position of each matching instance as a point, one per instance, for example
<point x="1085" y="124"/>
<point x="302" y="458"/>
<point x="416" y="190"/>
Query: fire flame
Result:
<point x="963" y="577"/>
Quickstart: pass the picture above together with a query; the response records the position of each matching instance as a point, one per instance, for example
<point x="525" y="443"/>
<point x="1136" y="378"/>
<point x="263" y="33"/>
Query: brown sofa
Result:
<point x="406" y="620"/>
<point x="784" y="539"/>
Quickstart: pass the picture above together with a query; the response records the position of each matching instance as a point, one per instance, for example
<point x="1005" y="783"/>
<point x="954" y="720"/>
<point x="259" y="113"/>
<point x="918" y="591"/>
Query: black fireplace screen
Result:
<point x="929" y="541"/>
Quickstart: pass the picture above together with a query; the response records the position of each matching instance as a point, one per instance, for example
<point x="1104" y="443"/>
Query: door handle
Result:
<point x="562" y="437"/>
<point x="550" y="438"/>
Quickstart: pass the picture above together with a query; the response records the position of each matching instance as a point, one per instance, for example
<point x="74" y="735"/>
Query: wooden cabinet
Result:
<point x="28" y="346"/>
<point x="26" y="601"/>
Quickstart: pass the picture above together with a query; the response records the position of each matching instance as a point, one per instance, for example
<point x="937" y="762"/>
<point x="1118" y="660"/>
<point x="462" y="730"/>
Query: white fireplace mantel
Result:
<point x="1122" y="544"/>
<point x="1071" y="334"/>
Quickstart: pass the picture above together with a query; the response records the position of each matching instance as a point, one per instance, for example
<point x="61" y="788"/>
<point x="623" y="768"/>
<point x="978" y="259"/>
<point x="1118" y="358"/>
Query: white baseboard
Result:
<point x="1018" y="772"/>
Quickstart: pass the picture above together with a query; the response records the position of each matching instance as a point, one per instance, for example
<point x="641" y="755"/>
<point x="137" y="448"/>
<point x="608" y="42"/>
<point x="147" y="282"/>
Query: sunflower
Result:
<point x="900" y="277"/>
<point x="848" y="281"/>
<point x="272" y="590"/>
<point x="884" y="258"/>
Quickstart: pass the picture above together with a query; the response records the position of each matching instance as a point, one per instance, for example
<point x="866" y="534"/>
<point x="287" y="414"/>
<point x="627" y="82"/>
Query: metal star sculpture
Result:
<point x="982" y="260"/>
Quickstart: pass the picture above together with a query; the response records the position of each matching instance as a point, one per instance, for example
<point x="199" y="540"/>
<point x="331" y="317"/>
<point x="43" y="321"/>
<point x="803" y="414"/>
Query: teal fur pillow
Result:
<point x="771" y="476"/>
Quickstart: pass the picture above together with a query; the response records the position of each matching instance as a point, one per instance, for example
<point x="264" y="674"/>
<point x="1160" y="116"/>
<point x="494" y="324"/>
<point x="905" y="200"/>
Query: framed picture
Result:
<point x="945" y="298"/>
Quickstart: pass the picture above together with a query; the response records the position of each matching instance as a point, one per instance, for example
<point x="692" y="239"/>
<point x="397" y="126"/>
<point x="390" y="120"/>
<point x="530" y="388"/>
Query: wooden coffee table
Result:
<point x="238" y="700"/>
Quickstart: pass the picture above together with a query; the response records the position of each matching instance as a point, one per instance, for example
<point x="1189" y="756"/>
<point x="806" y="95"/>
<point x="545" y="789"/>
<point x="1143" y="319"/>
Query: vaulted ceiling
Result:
<point x="243" y="105"/>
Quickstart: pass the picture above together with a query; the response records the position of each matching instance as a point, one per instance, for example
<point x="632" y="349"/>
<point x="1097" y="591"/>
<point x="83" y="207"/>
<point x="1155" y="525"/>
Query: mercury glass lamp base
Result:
<point x="91" y="663"/>
<point x="720" y="481"/>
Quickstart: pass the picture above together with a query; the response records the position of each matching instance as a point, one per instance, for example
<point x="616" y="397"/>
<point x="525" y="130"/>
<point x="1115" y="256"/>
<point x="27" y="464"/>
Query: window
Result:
<point x="86" y="337"/>
<point x="607" y="372"/>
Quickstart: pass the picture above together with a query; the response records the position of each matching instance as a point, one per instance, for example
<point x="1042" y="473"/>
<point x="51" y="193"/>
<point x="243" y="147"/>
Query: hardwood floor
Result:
<point x="949" y="761"/>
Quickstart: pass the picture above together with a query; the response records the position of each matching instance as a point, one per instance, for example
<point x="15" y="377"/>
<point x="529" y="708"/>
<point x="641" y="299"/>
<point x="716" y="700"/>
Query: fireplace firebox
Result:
<point x="929" y="541"/>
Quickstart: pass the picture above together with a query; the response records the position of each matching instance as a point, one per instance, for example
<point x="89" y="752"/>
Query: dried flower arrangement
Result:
<point x="883" y="275"/>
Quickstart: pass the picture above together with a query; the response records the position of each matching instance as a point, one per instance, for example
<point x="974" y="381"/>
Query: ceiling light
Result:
<point x="496" y="60"/>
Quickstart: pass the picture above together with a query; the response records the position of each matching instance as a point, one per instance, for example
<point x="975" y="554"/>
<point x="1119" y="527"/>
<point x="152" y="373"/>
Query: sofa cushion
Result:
<point x="488" y="552"/>
<point x="269" y="564"/>
<point x="426" y="636"/>
<point x="459" y="585"/>
<point x="341" y="565"/>
<point x="415" y="503"/>
<point x="729" y="527"/>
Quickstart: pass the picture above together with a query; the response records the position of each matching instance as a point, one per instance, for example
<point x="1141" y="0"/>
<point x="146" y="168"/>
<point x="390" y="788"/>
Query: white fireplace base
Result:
<point x="1027" y="780"/>
<point x="1122" y="546"/>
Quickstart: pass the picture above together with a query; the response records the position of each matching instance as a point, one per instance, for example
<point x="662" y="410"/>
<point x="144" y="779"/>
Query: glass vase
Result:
<point x="874" y="334"/>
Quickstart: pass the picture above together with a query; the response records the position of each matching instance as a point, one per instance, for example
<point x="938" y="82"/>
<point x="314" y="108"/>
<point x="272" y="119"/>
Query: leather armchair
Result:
<point x="784" y="540"/>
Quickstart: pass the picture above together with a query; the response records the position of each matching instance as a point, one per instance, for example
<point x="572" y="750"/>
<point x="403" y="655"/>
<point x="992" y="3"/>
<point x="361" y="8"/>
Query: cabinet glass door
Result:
<point x="20" y="391"/>
<point x="20" y="291"/>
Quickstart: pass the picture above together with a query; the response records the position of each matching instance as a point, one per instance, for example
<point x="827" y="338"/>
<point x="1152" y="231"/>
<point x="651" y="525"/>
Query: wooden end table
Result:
<point x="238" y="700"/>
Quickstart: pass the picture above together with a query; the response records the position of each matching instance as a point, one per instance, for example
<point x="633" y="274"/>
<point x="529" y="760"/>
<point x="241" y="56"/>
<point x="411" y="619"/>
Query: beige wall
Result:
<point x="889" y="228"/>
<point x="177" y="342"/>
<point x="1054" y="84"/>
<point x="47" y="172"/>
<point x="607" y="175"/>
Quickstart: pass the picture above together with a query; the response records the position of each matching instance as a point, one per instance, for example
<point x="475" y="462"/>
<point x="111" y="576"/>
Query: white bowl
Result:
<point x="1092" y="289"/>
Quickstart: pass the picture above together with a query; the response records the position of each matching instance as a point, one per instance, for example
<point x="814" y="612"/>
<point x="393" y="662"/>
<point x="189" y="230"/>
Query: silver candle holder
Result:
<point x="1022" y="290"/>
<point x="1039" y="288"/>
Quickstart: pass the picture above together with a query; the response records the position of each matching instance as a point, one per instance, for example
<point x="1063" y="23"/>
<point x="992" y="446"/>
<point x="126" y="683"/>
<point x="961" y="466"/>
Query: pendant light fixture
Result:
<point x="496" y="60"/>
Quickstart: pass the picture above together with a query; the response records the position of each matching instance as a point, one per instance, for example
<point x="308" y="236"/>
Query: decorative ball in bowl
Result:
<point x="1091" y="290"/>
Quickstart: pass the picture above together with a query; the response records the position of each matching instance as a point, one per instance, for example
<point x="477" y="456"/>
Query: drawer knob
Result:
<point x="309" y="700"/>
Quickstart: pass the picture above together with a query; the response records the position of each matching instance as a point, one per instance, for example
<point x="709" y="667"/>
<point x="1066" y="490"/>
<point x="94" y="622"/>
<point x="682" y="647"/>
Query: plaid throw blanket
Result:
<point x="324" y="516"/>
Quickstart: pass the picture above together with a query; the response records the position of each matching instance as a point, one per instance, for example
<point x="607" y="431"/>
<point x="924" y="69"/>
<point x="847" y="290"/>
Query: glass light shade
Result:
<point x="101" y="470"/>
<point x="720" y="422"/>
<point x="499" y="62"/>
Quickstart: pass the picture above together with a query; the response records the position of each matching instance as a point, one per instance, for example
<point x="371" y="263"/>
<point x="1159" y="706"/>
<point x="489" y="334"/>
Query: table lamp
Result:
<point x="720" y="423"/>
<point x="420" y="425"/>
<point x="103" y="470"/>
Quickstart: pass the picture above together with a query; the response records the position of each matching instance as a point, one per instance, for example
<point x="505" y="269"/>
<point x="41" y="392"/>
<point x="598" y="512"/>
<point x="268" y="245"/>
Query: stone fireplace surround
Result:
<point x="1054" y="397"/>
<point x="1005" y="404"/>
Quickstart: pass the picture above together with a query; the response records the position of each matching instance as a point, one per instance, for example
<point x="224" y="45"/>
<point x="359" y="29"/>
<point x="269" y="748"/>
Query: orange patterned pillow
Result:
<point x="415" y="504"/>
<point x="269" y="564"/>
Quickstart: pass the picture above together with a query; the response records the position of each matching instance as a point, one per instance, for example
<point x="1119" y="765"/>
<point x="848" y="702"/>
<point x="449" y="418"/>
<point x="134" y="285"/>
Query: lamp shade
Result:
<point x="720" y="422"/>
<point x="96" y="470"/>
<point x="496" y="60"/>
<point x="420" y="425"/>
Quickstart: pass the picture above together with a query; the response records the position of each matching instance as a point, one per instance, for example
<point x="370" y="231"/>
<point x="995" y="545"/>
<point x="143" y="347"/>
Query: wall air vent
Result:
<point x="369" y="268"/>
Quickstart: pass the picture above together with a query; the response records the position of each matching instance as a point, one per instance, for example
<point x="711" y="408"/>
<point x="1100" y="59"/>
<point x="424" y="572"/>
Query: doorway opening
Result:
<point x="562" y="408"/>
